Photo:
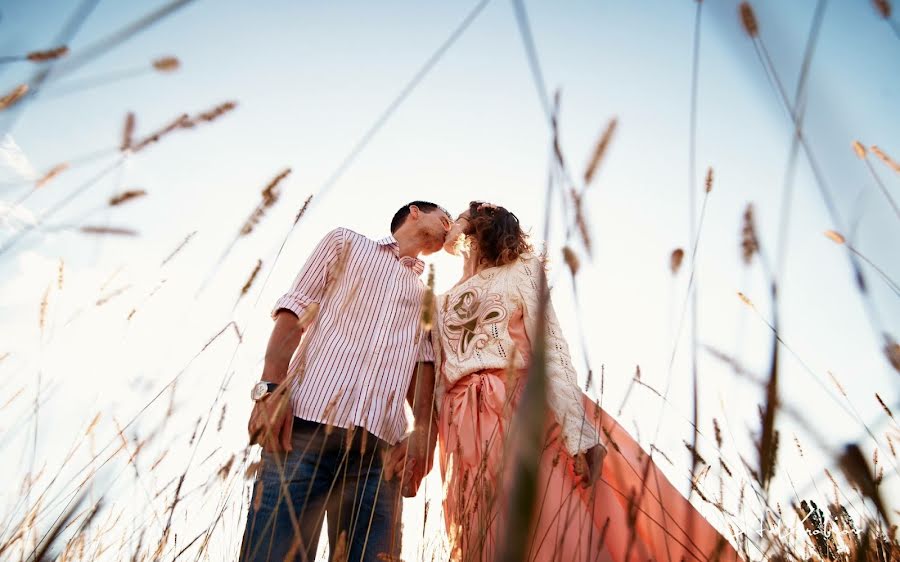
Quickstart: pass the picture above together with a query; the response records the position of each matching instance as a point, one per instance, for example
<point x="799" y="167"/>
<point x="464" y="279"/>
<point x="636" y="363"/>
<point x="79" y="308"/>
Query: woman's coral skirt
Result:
<point x="615" y="519"/>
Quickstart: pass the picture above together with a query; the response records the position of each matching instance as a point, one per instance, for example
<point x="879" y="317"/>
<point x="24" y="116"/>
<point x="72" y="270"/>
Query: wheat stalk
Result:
<point x="252" y="277"/>
<point x="166" y="64"/>
<point x="117" y="231"/>
<point x="47" y="55"/>
<point x="882" y="155"/>
<point x="599" y="151"/>
<point x="125" y="196"/>
<point x="13" y="96"/>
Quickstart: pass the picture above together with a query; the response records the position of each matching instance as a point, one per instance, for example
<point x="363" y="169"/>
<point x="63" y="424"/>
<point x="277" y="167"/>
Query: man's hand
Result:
<point x="272" y="421"/>
<point x="589" y="464"/>
<point x="411" y="459"/>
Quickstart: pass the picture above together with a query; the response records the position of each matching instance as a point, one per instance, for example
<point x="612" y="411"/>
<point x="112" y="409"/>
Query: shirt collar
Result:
<point x="417" y="265"/>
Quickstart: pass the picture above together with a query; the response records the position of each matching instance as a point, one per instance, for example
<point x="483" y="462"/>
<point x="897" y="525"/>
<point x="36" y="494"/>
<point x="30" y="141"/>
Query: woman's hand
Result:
<point x="589" y="464"/>
<point x="411" y="459"/>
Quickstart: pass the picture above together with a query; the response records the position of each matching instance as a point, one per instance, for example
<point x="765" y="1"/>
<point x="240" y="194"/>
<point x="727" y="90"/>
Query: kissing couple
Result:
<point x="358" y="336"/>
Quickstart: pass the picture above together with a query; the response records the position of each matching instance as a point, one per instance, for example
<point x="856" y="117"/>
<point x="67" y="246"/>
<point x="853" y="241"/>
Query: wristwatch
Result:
<point x="262" y="389"/>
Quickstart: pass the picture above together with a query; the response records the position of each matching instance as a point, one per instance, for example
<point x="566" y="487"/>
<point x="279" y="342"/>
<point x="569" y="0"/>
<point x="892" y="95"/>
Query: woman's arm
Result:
<point x="564" y="396"/>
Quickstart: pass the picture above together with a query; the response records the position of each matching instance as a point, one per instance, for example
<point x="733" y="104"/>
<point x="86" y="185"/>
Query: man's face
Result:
<point x="434" y="226"/>
<point x="455" y="236"/>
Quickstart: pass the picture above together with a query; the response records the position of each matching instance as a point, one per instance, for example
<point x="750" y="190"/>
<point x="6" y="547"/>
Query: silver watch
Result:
<point x="261" y="390"/>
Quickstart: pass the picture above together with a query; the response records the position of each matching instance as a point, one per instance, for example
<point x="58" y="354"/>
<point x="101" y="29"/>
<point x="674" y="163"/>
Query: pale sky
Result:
<point x="309" y="80"/>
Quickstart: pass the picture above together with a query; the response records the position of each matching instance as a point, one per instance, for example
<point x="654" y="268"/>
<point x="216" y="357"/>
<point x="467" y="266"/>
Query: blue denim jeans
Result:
<point x="338" y="475"/>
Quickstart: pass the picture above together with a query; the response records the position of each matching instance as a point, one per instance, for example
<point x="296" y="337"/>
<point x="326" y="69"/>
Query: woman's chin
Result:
<point x="451" y="248"/>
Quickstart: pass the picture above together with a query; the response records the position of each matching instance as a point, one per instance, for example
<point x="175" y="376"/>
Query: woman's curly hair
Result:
<point x="496" y="233"/>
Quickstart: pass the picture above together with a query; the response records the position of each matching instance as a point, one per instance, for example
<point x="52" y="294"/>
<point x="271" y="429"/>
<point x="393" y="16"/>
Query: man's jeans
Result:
<point x="339" y="474"/>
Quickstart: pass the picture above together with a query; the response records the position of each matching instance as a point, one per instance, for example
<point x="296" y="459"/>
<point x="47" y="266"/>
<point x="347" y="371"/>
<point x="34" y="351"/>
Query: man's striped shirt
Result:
<point x="356" y="360"/>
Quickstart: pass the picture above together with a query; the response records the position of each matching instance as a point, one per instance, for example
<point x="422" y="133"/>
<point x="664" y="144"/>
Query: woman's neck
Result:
<point x="472" y="264"/>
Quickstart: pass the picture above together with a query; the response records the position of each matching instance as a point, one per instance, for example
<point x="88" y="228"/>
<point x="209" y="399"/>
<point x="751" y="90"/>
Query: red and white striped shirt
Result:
<point x="357" y="358"/>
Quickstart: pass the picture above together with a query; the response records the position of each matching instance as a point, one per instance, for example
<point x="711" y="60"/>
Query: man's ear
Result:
<point x="414" y="212"/>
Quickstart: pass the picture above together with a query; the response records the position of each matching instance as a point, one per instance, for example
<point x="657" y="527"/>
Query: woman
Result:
<point x="484" y="327"/>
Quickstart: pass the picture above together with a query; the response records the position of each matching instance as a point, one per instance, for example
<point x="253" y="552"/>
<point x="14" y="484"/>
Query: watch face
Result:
<point x="259" y="390"/>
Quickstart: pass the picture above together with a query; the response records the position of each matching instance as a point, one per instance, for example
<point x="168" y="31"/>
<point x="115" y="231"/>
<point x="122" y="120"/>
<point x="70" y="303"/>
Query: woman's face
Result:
<point x="455" y="241"/>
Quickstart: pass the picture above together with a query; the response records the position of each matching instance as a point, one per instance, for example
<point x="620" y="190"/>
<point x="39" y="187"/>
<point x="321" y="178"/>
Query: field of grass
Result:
<point x="155" y="465"/>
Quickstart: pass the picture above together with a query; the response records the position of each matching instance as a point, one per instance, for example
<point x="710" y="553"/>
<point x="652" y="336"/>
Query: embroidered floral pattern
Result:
<point x="468" y="320"/>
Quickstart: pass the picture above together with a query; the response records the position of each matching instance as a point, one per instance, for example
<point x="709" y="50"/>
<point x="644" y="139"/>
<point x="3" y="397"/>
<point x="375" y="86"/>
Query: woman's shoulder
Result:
<point x="528" y="264"/>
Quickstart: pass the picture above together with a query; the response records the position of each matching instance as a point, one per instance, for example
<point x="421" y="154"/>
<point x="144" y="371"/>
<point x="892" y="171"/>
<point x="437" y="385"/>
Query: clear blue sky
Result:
<point x="310" y="78"/>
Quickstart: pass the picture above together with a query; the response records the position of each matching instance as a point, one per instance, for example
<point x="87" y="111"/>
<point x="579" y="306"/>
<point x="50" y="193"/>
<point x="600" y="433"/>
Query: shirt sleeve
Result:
<point x="309" y="286"/>
<point x="564" y="396"/>
<point x="426" y="349"/>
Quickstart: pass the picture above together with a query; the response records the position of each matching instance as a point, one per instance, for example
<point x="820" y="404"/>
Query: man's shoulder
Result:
<point x="344" y="236"/>
<point x="345" y="233"/>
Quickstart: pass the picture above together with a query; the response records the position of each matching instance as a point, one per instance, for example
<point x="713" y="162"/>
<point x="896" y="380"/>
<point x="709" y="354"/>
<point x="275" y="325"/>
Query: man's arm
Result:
<point x="420" y="394"/>
<point x="283" y="342"/>
<point x="271" y="419"/>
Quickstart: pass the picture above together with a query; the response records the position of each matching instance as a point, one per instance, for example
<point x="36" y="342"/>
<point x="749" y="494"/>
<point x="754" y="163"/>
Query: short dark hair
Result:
<point x="403" y="212"/>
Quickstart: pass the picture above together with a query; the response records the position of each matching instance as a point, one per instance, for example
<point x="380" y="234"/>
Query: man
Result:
<point x="326" y="415"/>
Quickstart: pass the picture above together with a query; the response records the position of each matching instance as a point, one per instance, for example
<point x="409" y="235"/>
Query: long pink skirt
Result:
<point x="612" y="520"/>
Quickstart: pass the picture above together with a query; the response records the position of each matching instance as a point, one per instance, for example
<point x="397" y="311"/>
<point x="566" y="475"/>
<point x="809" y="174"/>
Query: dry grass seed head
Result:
<point x="835" y="237"/>
<point x="799" y="447"/>
<point x="93" y="424"/>
<point x="13" y="96"/>
<point x="166" y="64"/>
<point x="883" y="7"/>
<point x="748" y="20"/>
<point x="303" y="209"/>
<point x="43" y="312"/>
<point x="886" y="159"/>
<point x="600" y="150"/>
<point x="892" y="351"/>
<point x="252" y="469"/>
<point x="128" y="132"/>
<point x="749" y="240"/>
<point x="270" y="193"/>
<point x="226" y="468"/>
<point x="330" y="412"/>
<point x="222" y="417"/>
<point x="884" y="406"/>
<point x="571" y="259"/>
<point x="47" y="55"/>
<point x="253" y="274"/>
<point x="126" y="196"/>
<point x="51" y="173"/>
<point x="114" y="230"/>
<point x="427" y="313"/>
<point x="214" y="113"/>
<point x="695" y="453"/>
<point x="675" y="260"/>
<point x="855" y="468"/>
<point x="270" y="196"/>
